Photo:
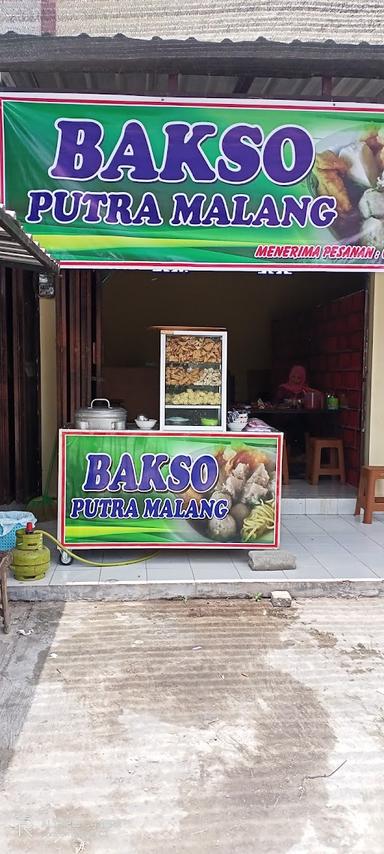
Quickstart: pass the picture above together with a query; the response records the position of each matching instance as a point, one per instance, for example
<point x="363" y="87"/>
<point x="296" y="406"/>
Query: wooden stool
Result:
<point x="335" y="467"/>
<point x="285" y="472"/>
<point x="366" y="496"/>
<point x="5" y="560"/>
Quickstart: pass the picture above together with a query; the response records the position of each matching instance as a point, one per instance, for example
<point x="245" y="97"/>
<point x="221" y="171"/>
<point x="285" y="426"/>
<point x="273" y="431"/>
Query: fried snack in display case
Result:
<point x="193" y="377"/>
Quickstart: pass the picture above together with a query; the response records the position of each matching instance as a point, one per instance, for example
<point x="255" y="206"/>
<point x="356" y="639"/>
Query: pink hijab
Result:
<point x="297" y="381"/>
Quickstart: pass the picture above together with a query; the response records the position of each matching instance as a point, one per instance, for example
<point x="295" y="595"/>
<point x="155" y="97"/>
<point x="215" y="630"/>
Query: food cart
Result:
<point x="191" y="484"/>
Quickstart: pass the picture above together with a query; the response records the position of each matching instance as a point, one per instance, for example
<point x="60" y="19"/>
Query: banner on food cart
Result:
<point x="182" y="184"/>
<point x="153" y="489"/>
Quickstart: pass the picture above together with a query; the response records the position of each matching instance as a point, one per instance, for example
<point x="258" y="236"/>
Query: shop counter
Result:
<point x="136" y="489"/>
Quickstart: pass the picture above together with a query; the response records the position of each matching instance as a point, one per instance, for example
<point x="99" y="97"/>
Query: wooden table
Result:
<point x="5" y="560"/>
<point x="294" y="410"/>
<point x="280" y="416"/>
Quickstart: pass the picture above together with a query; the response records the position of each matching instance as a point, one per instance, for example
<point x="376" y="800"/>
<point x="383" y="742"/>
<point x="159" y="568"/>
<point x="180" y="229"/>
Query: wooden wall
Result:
<point x="20" y="446"/>
<point x="329" y="341"/>
<point x="78" y="341"/>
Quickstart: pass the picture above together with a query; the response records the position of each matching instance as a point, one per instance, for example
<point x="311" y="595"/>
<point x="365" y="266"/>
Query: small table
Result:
<point x="281" y="415"/>
<point x="294" y="410"/>
<point x="5" y="560"/>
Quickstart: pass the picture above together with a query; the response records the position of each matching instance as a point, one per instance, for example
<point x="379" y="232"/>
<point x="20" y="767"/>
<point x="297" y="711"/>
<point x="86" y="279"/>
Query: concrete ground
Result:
<point x="197" y="726"/>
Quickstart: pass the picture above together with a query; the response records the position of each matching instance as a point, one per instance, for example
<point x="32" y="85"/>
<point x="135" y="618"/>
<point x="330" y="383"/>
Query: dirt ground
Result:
<point x="197" y="726"/>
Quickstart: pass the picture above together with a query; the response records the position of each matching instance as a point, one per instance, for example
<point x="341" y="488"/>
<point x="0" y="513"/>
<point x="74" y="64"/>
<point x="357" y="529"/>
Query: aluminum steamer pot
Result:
<point x="99" y="417"/>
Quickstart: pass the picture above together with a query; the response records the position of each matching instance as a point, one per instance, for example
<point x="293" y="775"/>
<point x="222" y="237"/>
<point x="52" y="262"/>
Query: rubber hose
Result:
<point x="92" y="562"/>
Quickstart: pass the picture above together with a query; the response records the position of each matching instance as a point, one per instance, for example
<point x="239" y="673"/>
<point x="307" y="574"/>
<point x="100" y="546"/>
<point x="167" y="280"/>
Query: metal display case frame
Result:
<point x="220" y="409"/>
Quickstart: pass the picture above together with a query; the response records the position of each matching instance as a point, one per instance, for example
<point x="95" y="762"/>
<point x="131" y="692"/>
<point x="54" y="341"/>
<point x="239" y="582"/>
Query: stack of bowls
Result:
<point x="237" y="420"/>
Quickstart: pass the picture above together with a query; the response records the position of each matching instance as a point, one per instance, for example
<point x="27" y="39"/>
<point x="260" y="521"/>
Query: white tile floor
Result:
<point x="326" y="488"/>
<point x="328" y="498"/>
<point x="325" y="547"/>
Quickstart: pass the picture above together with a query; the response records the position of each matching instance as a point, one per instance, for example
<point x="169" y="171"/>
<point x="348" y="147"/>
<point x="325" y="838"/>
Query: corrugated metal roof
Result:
<point x="193" y="85"/>
<point x="258" y="58"/>
<point x="17" y="247"/>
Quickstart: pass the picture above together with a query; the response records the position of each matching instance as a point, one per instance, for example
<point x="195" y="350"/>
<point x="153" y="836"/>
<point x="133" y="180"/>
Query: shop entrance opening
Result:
<point x="311" y="322"/>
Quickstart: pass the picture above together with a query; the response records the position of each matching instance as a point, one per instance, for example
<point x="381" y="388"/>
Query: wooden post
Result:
<point x="326" y="88"/>
<point x="5" y="410"/>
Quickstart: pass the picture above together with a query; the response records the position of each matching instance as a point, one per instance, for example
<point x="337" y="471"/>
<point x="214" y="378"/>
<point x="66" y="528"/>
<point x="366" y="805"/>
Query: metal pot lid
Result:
<point x="107" y="411"/>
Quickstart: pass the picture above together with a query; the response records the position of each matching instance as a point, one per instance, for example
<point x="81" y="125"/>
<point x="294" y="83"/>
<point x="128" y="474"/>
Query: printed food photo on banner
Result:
<point x="349" y="166"/>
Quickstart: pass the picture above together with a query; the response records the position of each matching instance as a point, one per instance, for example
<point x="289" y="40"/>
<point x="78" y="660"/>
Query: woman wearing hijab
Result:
<point x="295" y="387"/>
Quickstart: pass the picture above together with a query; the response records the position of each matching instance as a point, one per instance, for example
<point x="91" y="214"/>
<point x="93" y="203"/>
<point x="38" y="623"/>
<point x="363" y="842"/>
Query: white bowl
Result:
<point x="236" y="426"/>
<point x="175" y="419"/>
<point x="146" y="425"/>
<point x="242" y="419"/>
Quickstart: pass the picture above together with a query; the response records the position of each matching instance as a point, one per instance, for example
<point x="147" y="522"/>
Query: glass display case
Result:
<point x="193" y="380"/>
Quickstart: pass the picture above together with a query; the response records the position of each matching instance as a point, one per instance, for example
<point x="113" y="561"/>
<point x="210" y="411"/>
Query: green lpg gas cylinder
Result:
<point x="30" y="559"/>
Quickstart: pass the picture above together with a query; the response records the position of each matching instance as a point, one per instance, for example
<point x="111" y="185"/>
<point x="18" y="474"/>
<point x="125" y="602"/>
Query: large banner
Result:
<point x="127" y="489"/>
<point x="182" y="184"/>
